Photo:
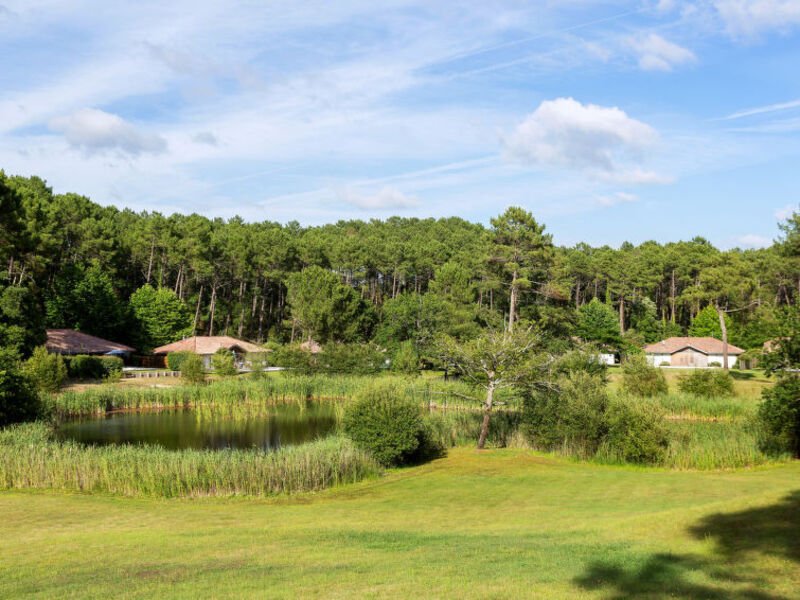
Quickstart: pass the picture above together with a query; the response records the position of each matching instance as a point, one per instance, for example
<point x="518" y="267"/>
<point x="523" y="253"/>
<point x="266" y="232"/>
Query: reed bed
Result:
<point x="264" y="392"/>
<point x="718" y="445"/>
<point x="31" y="458"/>
<point x="723" y="408"/>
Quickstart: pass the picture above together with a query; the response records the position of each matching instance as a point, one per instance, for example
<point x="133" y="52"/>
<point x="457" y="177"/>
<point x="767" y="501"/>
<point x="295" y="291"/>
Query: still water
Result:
<point x="284" y="425"/>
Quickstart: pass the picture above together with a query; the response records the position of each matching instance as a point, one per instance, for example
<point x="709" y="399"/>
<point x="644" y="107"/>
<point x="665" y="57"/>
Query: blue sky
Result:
<point x="610" y="121"/>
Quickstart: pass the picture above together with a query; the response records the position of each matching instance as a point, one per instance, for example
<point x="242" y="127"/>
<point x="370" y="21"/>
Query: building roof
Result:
<point x="69" y="341"/>
<point x="208" y="345"/>
<point x="706" y="345"/>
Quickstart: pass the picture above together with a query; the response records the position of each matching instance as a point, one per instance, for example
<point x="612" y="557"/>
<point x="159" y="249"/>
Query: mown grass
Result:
<point x="31" y="458"/>
<point x="494" y="524"/>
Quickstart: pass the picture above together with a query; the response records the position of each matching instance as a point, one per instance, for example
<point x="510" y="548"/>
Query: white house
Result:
<point x="697" y="352"/>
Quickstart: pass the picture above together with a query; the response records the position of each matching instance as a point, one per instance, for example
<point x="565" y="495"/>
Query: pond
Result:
<point x="283" y="425"/>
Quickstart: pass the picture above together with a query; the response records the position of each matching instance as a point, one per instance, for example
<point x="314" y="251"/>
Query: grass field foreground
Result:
<point x="495" y="524"/>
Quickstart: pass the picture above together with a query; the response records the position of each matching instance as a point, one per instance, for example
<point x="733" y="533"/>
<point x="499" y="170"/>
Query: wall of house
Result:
<point x="689" y="358"/>
<point x="717" y="358"/>
<point x="605" y="359"/>
<point x="657" y="359"/>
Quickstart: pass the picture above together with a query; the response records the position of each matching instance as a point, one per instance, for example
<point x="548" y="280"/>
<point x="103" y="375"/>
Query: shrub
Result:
<point x="359" y="359"/>
<point x="192" y="369"/>
<point x="46" y="371"/>
<point x="406" y="359"/>
<point x="581" y="361"/>
<point x="112" y="366"/>
<point x="223" y="362"/>
<point x="381" y="421"/>
<point x="296" y="359"/>
<point x="715" y="364"/>
<point x="175" y="360"/>
<point x="257" y="361"/>
<point x="637" y="431"/>
<point x="83" y="366"/>
<point x="665" y="363"/>
<point x="572" y="417"/>
<point x="706" y="384"/>
<point x="18" y="398"/>
<point x="779" y="416"/>
<point x="640" y="378"/>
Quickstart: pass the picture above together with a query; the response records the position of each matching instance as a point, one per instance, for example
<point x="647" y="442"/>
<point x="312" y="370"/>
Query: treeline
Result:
<point x="70" y="262"/>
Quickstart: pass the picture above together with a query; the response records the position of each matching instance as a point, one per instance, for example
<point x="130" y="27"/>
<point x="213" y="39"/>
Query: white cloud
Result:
<point x="658" y="54"/>
<point x="785" y="212"/>
<point x="94" y="130"/>
<point x="387" y="198"/>
<point x="617" y="198"/>
<point x="747" y="18"/>
<point x="564" y="132"/>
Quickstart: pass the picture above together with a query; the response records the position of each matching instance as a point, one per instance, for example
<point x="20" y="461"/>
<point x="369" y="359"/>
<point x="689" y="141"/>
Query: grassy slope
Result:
<point x="500" y="524"/>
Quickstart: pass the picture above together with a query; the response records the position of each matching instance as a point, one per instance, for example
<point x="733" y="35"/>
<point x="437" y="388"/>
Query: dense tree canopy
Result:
<point x="79" y="263"/>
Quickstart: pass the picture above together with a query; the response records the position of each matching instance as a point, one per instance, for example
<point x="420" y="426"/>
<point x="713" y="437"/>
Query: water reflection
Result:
<point x="284" y="425"/>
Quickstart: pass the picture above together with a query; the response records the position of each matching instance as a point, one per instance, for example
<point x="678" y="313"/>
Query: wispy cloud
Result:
<point x="785" y="212"/>
<point x="94" y="130"/>
<point x="760" y="110"/>
<point x="658" y="54"/>
<point x="617" y="198"/>
<point x="747" y="18"/>
<point x="387" y="198"/>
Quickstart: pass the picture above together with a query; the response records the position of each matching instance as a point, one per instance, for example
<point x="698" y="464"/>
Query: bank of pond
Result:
<point x="284" y="435"/>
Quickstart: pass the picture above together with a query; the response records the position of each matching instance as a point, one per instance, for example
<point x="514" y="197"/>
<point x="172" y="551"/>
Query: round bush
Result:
<point x="47" y="371"/>
<point x="574" y="417"/>
<point x="706" y="383"/>
<point x="640" y="378"/>
<point x="223" y="362"/>
<point x="83" y="366"/>
<point x="192" y="369"/>
<point x="175" y="360"/>
<point x="636" y="431"/>
<point x="385" y="424"/>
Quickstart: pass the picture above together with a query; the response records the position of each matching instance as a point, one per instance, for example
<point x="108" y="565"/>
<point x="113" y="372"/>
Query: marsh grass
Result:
<point x="713" y="433"/>
<point x="687" y="405"/>
<point x="31" y="458"/>
<point x="716" y="445"/>
<point x="263" y="392"/>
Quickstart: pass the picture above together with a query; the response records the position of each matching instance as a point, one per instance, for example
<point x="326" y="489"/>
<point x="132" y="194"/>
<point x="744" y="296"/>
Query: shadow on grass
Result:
<point x="742" y="375"/>
<point x="739" y="538"/>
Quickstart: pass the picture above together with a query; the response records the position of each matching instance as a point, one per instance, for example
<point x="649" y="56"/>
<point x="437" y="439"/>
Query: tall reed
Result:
<point x="264" y="392"/>
<point x="31" y="458"/>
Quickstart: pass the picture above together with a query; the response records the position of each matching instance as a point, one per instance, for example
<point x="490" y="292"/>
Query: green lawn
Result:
<point x="498" y="524"/>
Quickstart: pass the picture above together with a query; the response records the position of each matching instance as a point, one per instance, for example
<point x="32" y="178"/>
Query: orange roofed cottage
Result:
<point x="206" y="346"/>
<point x="70" y="342"/>
<point x="690" y="352"/>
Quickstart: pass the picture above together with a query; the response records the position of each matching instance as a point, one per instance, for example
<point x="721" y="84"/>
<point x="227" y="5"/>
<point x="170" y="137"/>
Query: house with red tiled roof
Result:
<point x="206" y="346"/>
<point x="690" y="352"/>
<point x="70" y="342"/>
